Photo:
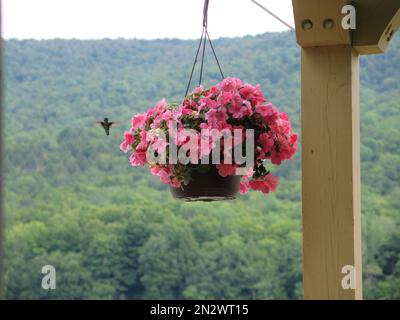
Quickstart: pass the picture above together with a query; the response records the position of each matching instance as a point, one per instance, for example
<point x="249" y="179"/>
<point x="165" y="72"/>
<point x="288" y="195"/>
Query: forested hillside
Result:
<point x="114" y="232"/>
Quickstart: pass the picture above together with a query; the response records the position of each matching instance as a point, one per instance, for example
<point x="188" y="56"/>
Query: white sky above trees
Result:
<point x="145" y="19"/>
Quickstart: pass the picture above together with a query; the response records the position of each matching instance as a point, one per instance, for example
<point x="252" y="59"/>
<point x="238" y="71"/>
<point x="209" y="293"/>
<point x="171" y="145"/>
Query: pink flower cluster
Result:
<point x="227" y="106"/>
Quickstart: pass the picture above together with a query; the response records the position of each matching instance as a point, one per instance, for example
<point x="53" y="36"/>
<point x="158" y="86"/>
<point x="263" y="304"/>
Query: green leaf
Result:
<point x="187" y="176"/>
<point x="187" y="179"/>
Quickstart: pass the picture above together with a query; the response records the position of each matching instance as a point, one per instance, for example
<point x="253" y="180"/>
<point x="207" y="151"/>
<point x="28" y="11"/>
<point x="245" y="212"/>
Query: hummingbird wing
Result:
<point x="106" y="126"/>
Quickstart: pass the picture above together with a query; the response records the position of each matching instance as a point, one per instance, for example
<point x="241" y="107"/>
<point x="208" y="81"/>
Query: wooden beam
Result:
<point x="330" y="171"/>
<point x="319" y="22"/>
<point x="377" y="21"/>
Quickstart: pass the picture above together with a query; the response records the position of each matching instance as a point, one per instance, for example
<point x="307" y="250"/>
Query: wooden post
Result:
<point x="331" y="137"/>
<point x="331" y="171"/>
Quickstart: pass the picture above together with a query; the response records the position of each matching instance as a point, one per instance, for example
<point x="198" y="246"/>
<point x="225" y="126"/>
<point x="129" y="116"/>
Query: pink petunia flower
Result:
<point x="198" y="90"/>
<point x="266" y="184"/>
<point x="269" y="112"/>
<point x="252" y="94"/>
<point x="138" y="158"/>
<point x="217" y="118"/>
<point x="144" y="141"/>
<point x="139" y="121"/>
<point x="244" y="187"/>
<point x="237" y="110"/>
<point x="224" y="98"/>
<point x="128" y="141"/>
<point x="207" y="102"/>
<point x="225" y="170"/>
<point x="267" y="142"/>
<point x="230" y="84"/>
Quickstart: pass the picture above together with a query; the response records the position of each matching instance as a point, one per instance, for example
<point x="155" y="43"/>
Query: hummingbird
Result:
<point x="106" y="124"/>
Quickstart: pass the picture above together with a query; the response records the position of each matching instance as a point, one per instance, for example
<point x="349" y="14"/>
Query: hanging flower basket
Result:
<point x="218" y="140"/>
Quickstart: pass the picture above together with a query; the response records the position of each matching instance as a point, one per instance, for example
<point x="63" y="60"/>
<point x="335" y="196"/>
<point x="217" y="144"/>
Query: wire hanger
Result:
<point x="205" y="36"/>
<point x="202" y="44"/>
<point x="273" y="15"/>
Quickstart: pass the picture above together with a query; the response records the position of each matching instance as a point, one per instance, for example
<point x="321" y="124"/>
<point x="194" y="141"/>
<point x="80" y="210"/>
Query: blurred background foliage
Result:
<point x="114" y="232"/>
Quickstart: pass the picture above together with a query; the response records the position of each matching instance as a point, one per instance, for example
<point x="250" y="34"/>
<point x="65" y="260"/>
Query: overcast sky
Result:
<point x="146" y="19"/>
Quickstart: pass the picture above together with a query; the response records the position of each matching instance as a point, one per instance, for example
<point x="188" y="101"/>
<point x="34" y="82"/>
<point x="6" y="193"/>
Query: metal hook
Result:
<point x="205" y="13"/>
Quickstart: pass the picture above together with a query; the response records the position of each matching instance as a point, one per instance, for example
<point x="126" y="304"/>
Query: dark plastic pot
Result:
<point x="208" y="186"/>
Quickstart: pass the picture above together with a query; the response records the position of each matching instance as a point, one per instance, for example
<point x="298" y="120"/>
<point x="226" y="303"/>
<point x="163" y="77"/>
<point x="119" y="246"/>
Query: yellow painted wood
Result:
<point x="330" y="170"/>
<point x="377" y="21"/>
<point x="310" y="16"/>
